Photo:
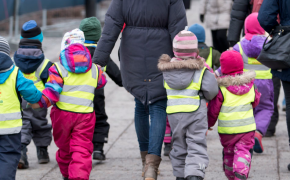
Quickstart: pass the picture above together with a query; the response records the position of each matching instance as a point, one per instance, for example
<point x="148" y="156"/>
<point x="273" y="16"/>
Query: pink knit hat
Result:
<point x="231" y="63"/>
<point x="252" y="26"/>
<point x="185" y="45"/>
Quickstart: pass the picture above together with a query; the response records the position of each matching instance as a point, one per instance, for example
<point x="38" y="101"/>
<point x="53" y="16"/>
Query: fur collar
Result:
<point x="165" y="64"/>
<point x="237" y="80"/>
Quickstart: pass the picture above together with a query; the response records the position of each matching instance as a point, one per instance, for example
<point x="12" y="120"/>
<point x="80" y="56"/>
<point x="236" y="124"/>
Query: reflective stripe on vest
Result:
<point x="35" y="76"/>
<point x="262" y="72"/>
<point x="186" y="100"/>
<point x="78" y="90"/>
<point x="236" y="114"/>
<point x="209" y="58"/>
<point x="10" y="108"/>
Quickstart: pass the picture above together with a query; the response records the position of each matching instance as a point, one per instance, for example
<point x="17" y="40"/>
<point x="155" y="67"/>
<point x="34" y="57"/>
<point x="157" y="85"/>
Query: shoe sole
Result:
<point x="257" y="146"/>
<point x="149" y="179"/>
<point x="43" y="161"/>
<point x="21" y="165"/>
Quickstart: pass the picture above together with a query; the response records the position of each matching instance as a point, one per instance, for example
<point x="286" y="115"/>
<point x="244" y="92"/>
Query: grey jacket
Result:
<point x="151" y="26"/>
<point x="179" y="75"/>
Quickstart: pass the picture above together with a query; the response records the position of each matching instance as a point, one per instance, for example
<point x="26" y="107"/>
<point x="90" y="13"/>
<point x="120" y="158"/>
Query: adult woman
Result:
<point x="150" y="29"/>
<point x="217" y="18"/>
<point x="268" y="20"/>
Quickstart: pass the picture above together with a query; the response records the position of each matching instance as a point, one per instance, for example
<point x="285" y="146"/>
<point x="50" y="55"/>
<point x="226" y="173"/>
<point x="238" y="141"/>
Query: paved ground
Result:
<point x="123" y="161"/>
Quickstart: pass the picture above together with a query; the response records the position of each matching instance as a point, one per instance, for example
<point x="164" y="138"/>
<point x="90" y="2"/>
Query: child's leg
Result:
<point x="81" y="146"/>
<point x="26" y="131"/>
<point x="197" y="158"/>
<point x="242" y="158"/>
<point x="167" y="137"/>
<point x="228" y="161"/>
<point x="62" y="124"/>
<point x="10" y="147"/>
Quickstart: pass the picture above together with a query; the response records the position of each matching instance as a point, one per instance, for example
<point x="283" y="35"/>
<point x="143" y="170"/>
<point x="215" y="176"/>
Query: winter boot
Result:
<point x="288" y="167"/>
<point x="151" y="167"/>
<point x="42" y="155"/>
<point x="65" y="178"/>
<point x="23" y="162"/>
<point x="98" y="153"/>
<point x="194" y="178"/>
<point x="167" y="149"/>
<point x="143" y="155"/>
<point x="180" y="178"/>
<point x="258" y="147"/>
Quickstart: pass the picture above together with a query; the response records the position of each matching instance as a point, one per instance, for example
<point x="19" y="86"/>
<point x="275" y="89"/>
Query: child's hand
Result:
<point x="209" y="129"/>
<point x="34" y="106"/>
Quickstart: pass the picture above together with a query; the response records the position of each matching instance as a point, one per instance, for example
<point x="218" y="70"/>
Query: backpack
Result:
<point x="256" y="5"/>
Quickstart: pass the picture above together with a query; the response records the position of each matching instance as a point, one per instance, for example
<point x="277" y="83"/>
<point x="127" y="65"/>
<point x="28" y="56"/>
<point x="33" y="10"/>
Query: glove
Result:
<point x="201" y="17"/>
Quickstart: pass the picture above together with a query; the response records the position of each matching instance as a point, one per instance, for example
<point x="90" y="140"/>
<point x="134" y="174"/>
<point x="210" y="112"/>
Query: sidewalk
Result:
<point x="123" y="159"/>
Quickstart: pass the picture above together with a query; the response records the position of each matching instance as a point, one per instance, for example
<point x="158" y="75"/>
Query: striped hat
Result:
<point x="185" y="45"/>
<point x="4" y="46"/>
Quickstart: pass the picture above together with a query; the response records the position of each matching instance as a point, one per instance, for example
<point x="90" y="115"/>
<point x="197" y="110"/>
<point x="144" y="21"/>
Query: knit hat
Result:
<point x="199" y="31"/>
<point x="252" y="26"/>
<point x="30" y="30"/>
<point x="72" y="37"/>
<point x="4" y="46"/>
<point x="92" y="28"/>
<point x="185" y="45"/>
<point x="231" y="63"/>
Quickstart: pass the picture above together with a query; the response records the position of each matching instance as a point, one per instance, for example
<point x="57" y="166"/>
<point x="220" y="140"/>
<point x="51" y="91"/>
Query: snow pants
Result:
<point x="167" y="137"/>
<point x="237" y="154"/>
<point x="189" y="151"/>
<point x="10" y="153"/>
<point x="35" y="126"/>
<point x="264" y="111"/>
<point x="73" y="135"/>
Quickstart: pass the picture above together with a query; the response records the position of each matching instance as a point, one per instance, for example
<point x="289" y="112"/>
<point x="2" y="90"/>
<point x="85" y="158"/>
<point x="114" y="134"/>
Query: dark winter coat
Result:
<point x="240" y="10"/>
<point x="151" y="27"/>
<point x="268" y="20"/>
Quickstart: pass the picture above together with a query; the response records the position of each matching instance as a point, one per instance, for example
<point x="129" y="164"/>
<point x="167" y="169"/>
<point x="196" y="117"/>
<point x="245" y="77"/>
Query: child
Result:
<point x="250" y="47"/>
<point x="167" y="139"/>
<point x="188" y="84"/>
<point x="32" y="63"/>
<point x="71" y="89"/>
<point x="92" y="30"/>
<point x="233" y="107"/>
<point x="13" y="85"/>
<point x="211" y="55"/>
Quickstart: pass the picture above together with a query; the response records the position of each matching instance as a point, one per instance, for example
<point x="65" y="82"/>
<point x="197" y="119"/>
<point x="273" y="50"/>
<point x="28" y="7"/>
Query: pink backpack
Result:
<point x="256" y="5"/>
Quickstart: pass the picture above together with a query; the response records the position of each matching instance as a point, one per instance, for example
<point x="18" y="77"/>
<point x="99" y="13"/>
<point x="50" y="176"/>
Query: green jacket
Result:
<point x="204" y="52"/>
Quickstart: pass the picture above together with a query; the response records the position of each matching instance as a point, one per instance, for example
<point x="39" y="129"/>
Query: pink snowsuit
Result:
<point x="167" y="137"/>
<point x="237" y="147"/>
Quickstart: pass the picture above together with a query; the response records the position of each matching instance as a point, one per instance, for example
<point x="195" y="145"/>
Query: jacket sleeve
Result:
<point x="114" y="72"/>
<point x="209" y="86"/>
<point x="113" y="25"/>
<point x="177" y="18"/>
<point x="214" y="108"/>
<point x="45" y="75"/>
<point x="257" y="98"/>
<point x="102" y="81"/>
<point x="53" y="88"/>
<point x="27" y="89"/>
<point x="268" y="15"/>
<point x="239" y="12"/>
<point x="216" y="58"/>
<point x="202" y="6"/>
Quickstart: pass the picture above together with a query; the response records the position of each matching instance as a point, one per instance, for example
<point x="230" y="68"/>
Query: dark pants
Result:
<point x="219" y="39"/>
<point x="275" y="116"/>
<point x="150" y="135"/>
<point x="102" y="126"/>
<point x="10" y="153"/>
<point x="286" y="87"/>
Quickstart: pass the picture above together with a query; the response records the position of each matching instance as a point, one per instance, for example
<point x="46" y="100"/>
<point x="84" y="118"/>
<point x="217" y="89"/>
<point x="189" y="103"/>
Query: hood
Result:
<point x="76" y="58"/>
<point x="5" y="75"/>
<point x="178" y="74"/>
<point x="253" y="47"/>
<point x="238" y="84"/>
<point x="28" y="59"/>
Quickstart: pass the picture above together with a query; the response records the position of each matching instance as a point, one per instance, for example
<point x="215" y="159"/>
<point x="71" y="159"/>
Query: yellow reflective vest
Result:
<point x="262" y="72"/>
<point x="78" y="90"/>
<point x="185" y="100"/>
<point x="10" y="107"/>
<point x="236" y="114"/>
<point x="35" y="76"/>
<point x="209" y="58"/>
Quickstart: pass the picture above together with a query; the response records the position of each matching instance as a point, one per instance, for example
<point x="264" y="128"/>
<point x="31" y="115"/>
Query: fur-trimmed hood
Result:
<point x="178" y="74"/>
<point x="239" y="84"/>
<point x="166" y="63"/>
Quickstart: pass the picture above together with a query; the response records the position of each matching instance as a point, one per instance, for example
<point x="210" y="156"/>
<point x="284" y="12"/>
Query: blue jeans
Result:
<point x="150" y="137"/>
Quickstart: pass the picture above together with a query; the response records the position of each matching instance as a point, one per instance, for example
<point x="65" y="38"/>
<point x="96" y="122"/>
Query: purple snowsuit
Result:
<point x="264" y="111"/>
